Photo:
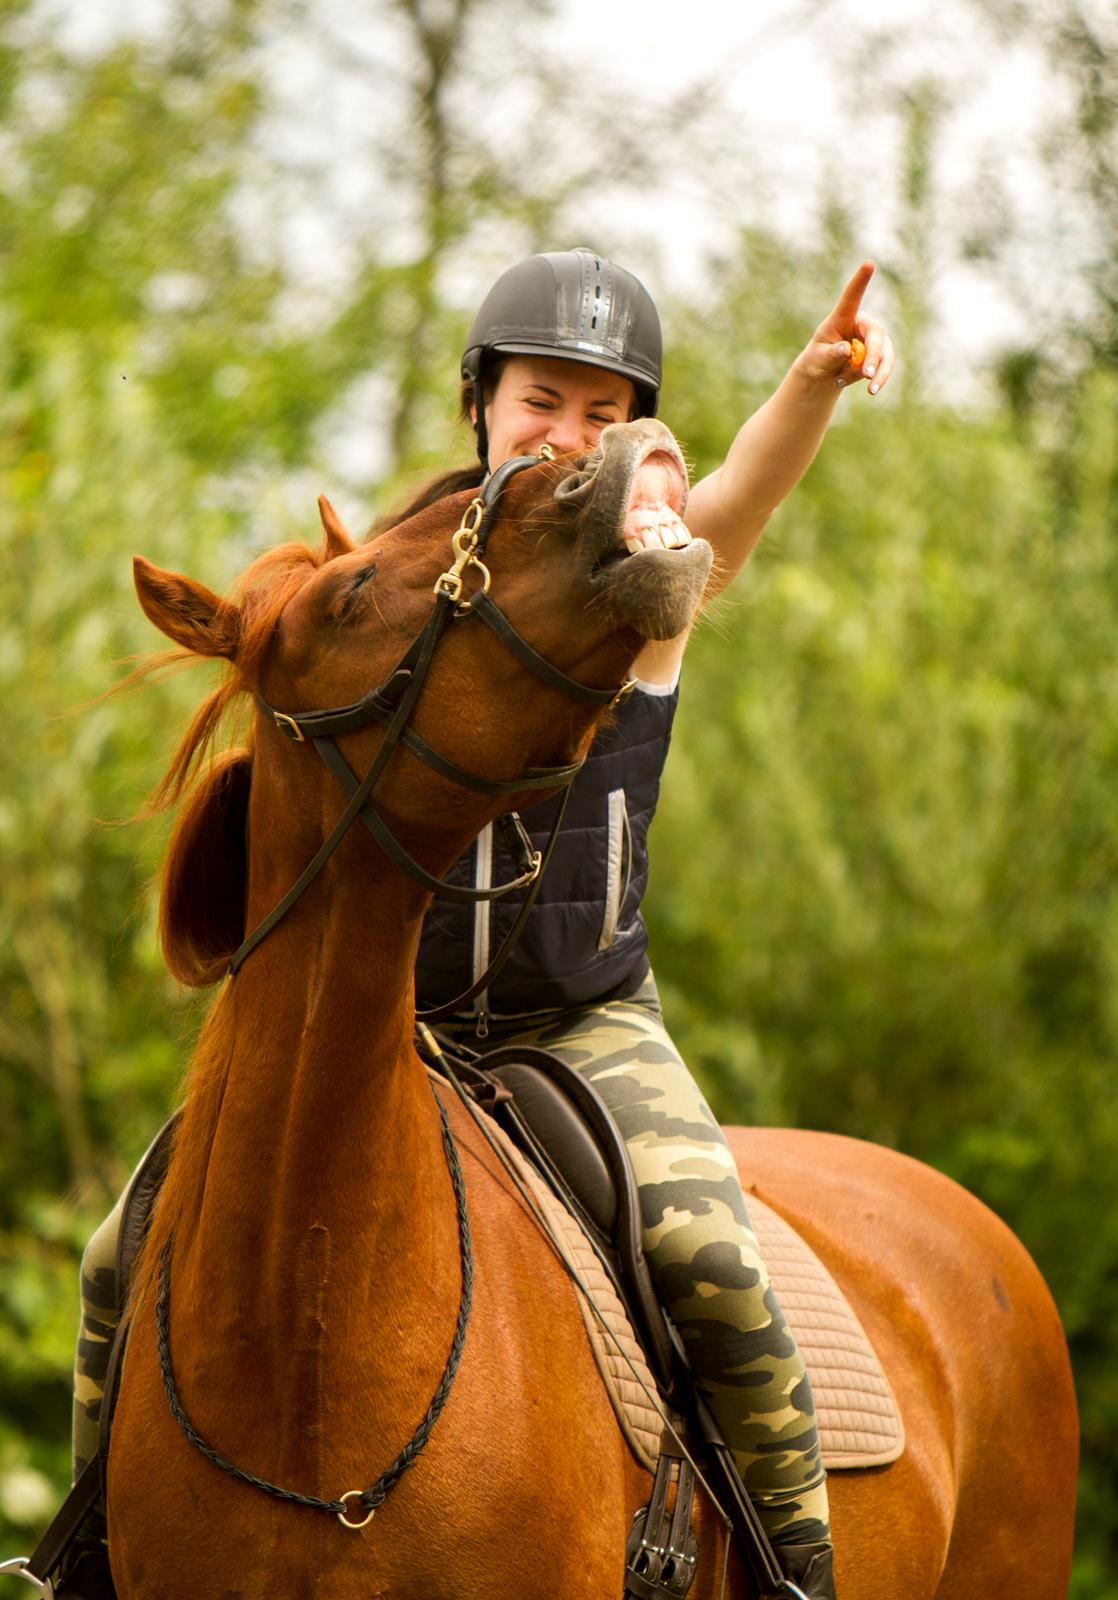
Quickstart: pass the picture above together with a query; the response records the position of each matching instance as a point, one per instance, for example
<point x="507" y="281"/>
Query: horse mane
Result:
<point x="205" y="873"/>
<point x="442" y="485"/>
<point x="205" y="869"/>
<point x="204" y="876"/>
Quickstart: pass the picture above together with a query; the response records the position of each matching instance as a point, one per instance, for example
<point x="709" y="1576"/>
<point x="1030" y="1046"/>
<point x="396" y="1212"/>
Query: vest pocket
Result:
<point x="619" y="865"/>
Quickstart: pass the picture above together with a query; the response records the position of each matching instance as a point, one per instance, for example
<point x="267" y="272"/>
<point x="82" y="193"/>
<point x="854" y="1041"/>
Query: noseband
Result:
<point x="392" y="704"/>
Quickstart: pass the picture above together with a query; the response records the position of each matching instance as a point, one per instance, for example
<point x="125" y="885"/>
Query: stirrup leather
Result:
<point x="661" y="1552"/>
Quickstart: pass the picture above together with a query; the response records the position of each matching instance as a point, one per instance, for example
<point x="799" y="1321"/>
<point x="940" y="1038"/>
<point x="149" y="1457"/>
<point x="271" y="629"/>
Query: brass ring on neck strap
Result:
<point x="354" y="1494"/>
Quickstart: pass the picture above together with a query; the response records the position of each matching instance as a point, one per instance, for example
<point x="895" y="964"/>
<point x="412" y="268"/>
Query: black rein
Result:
<point x="392" y="703"/>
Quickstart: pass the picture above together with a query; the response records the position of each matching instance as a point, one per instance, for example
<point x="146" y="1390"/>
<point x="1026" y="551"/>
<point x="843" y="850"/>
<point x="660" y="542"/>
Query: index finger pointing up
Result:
<point x="850" y="300"/>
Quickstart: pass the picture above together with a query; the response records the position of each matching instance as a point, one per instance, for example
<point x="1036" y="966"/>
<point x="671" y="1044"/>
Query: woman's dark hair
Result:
<point x="457" y="478"/>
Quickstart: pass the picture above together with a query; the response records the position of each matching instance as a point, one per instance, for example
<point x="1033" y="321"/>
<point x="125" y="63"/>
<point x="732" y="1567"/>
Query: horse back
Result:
<point x="972" y="1344"/>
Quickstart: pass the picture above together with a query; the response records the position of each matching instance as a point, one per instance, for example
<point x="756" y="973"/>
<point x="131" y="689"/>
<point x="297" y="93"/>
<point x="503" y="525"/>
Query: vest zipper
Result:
<point x="483" y="879"/>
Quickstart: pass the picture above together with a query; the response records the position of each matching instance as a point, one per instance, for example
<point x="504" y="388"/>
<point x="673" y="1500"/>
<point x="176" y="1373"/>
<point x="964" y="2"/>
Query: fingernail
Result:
<point x="874" y="387"/>
<point x="870" y="370"/>
<point x="840" y="383"/>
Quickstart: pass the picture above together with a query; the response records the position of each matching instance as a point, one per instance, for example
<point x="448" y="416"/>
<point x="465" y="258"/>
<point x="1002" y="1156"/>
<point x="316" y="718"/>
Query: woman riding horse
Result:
<point x="564" y="345"/>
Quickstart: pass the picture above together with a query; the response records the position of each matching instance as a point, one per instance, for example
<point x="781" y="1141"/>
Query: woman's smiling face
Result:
<point x="547" y="400"/>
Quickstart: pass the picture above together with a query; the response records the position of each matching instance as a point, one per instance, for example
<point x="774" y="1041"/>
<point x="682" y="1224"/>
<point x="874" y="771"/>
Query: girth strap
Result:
<point x="41" y="1566"/>
<point x="661" y="1552"/>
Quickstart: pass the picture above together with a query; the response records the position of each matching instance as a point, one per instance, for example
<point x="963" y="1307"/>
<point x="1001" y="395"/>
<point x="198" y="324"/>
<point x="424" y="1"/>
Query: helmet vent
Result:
<point x="595" y="292"/>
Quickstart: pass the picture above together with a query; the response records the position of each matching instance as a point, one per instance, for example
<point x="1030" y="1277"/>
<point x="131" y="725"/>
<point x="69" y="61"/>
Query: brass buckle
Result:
<point x="464" y="607"/>
<point x="623" y="693"/>
<point x="288" y="725"/>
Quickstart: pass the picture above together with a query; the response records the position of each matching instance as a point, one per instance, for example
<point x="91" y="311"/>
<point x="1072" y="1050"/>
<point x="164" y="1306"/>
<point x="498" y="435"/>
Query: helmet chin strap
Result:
<point x="479" y="418"/>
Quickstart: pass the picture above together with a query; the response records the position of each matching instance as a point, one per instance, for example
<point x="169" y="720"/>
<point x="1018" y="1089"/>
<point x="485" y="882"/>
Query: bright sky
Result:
<point x="814" y="83"/>
<point x="809" y="81"/>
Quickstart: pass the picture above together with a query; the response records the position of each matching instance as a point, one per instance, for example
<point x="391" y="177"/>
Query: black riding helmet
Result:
<point x="577" y="306"/>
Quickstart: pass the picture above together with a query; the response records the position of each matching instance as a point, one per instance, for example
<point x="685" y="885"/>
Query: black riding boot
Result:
<point x="809" y="1567"/>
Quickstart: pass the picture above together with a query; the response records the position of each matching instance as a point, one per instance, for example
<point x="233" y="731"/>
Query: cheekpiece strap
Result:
<point x="392" y="702"/>
<point x="495" y="619"/>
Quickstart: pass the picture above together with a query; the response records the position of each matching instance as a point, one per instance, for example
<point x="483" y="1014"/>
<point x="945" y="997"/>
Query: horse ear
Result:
<point x="187" y="612"/>
<point x="337" y="541"/>
<point x="205" y="874"/>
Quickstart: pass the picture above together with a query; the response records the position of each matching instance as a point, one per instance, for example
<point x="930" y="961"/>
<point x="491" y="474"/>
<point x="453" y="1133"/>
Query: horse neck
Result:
<point x="324" y="1024"/>
<point x="308" y="1202"/>
<point x="310" y="1110"/>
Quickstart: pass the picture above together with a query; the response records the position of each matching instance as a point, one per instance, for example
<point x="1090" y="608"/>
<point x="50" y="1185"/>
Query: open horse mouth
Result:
<point x="631" y="492"/>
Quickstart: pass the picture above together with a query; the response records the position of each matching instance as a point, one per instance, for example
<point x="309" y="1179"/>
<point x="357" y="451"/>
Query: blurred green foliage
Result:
<point x="885" y="888"/>
<point x="885" y="885"/>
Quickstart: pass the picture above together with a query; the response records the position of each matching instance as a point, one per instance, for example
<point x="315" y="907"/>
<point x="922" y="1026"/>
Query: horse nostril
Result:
<point x="575" y="486"/>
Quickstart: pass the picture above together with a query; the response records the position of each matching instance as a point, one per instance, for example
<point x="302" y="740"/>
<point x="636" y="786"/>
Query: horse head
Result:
<point x="585" y="559"/>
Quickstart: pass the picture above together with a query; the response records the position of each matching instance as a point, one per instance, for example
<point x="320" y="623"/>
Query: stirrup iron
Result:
<point x="19" y="1567"/>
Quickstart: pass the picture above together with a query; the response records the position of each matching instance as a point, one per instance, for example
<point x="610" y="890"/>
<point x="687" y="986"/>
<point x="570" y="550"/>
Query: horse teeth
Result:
<point x="644" y="533"/>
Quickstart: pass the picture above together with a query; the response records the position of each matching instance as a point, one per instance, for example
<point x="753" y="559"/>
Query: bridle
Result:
<point x="392" y="703"/>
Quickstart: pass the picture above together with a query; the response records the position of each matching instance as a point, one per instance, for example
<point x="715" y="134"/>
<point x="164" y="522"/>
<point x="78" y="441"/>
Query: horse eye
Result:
<point x="352" y="592"/>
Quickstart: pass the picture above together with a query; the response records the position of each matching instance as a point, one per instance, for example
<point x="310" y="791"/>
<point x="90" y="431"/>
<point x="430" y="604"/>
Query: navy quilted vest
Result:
<point x="585" y="937"/>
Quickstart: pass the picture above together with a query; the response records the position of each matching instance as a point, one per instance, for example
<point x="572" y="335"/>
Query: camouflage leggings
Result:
<point x="701" y="1248"/>
<point x="100" y="1315"/>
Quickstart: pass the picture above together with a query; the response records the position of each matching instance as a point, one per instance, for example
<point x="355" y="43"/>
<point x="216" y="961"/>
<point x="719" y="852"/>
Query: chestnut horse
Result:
<point x="308" y="1225"/>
